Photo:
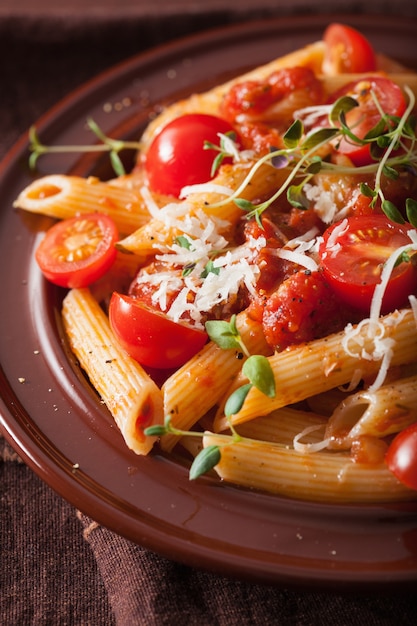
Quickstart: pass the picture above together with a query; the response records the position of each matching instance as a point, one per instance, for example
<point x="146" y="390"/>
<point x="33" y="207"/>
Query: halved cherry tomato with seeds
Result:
<point x="150" y="337"/>
<point x="352" y="255"/>
<point x="78" y="251"/>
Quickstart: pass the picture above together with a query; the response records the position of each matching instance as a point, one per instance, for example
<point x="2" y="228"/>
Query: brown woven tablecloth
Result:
<point x="58" y="567"/>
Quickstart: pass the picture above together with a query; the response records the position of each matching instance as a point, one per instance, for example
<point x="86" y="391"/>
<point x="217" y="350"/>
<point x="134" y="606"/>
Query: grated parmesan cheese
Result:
<point x="372" y="328"/>
<point x="331" y="204"/>
<point x="205" y="188"/>
<point x="201" y="270"/>
<point x="309" y="448"/>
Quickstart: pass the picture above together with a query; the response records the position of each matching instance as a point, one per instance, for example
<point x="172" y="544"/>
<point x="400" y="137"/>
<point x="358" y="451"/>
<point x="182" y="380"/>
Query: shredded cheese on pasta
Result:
<point x="382" y="346"/>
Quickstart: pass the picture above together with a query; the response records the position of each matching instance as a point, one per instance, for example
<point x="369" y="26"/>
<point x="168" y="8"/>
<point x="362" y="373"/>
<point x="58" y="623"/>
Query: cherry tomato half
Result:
<point x="150" y="337"/>
<point x="347" y="51"/>
<point x="177" y="157"/>
<point x="366" y="115"/>
<point x="78" y="251"/>
<point x="401" y="456"/>
<point x="352" y="261"/>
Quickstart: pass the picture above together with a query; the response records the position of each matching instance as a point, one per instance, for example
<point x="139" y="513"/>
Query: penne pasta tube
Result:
<point x="283" y="425"/>
<point x="196" y="387"/>
<point x="131" y="396"/>
<point x="62" y="197"/>
<point x="379" y="413"/>
<point x="319" y="476"/>
<point x="318" y="366"/>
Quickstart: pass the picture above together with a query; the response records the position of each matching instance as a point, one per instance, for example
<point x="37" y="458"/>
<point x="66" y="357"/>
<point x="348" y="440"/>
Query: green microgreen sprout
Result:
<point x="226" y="335"/>
<point x="301" y="157"/>
<point x="112" y="146"/>
<point x="207" y="458"/>
<point x="256" y="368"/>
<point x="227" y="149"/>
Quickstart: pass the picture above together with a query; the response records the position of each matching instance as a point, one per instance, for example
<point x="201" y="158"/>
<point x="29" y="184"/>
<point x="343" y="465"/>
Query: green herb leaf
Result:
<point x="183" y="241"/>
<point x="411" y="211"/>
<point x="95" y="128"/>
<point x="224" y="334"/>
<point x="258" y="369"/>
<point x="204" y="461"/>
<point x="117" y="164"/>
<point x="216" y="164"/>
<point x="210" y="269"/>
<point x="318" y="137"/>
<point x="390" y="172"/>
<point x="342" y="105"/>
<point x="366" y="190"/>
<point x="376" y="131"/>
<point x="392" y="212"/>
<point x="236" y="400"/>
<point x="296" y="196"/>
<point x="293" y="135"/>
<point x="156" y="431"/>
<point x="403" y="258"/>
<point x="314" y="166"/>
<point x="245" y="205"/>
<point x="187" y="269"/>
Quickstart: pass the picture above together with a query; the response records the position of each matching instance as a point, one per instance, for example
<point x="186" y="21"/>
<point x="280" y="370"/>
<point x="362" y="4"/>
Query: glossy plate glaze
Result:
<point x="53" y="418"/>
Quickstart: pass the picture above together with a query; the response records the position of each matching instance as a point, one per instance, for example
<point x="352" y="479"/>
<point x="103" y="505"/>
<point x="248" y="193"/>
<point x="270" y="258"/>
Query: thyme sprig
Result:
<point x="207" y="458"/>
<point x="226" y="149"/>
<point x="112" y="146"/>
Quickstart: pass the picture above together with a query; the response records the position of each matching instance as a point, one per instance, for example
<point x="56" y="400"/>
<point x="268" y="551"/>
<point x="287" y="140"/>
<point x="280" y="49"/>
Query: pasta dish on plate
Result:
<point x="247" y="294"/>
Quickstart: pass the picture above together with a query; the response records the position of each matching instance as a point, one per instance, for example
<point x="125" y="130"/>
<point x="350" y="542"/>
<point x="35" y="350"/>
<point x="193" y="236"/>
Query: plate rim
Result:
<point x="63" y="472"/>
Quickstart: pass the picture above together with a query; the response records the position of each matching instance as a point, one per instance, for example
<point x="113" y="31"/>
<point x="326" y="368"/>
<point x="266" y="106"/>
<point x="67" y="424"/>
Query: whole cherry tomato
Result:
<point x="177" y="156"/>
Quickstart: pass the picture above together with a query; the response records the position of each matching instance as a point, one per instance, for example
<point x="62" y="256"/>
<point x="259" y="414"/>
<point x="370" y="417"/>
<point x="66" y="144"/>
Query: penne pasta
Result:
<point x="131" y="396"/>
<point x="62" y="197"/>
<point x="283" y="425"/>
<point x="319" y="477"/>
<point x="313" y="368"/>
<point x="378" y="413"/>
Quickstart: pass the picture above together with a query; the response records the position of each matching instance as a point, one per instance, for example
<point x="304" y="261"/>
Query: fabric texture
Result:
<point x="59" y="567"/>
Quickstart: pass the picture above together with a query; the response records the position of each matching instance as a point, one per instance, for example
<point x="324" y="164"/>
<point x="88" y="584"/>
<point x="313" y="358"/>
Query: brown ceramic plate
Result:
<point x="53" y="418"/>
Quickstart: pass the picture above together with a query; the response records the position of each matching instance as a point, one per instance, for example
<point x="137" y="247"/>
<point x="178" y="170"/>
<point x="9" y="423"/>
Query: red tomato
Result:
<point x="352" y="261"/>
<point x="303" y="308"/>
<point x="364" y="117"/>
<point x="347" y="51"/>
<point x="401" y="457"/>
<point x="177" y="157"/>
<point x="297" y="85"/>
<point x="78" y="251"/>
<point x="150" y="337"/>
